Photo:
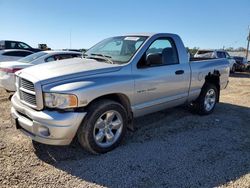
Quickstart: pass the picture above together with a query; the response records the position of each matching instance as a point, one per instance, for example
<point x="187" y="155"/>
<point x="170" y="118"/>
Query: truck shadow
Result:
<point x="171" y="148"/>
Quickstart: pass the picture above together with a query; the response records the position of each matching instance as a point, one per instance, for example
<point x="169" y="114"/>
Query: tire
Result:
<point x="233" y="69"/>
<point x="101" y="122"/>
<point x="200" y="106"/>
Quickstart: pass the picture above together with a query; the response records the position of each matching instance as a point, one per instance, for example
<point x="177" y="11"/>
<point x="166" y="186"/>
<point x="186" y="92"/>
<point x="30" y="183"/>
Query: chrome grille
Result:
<point x="29" y="98"/>
<point x="27" y="84"/>
<point x="27" y="92"/>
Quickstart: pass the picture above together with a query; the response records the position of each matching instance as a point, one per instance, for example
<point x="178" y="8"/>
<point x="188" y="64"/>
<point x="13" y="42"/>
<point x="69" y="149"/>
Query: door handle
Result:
<point x="179" y="72"/>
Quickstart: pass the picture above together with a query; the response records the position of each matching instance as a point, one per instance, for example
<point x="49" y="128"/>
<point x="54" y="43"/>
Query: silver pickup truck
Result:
<point x="95" y="98"/>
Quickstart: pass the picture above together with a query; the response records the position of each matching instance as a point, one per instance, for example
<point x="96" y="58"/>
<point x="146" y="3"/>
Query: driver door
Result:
<point x="164" y="83"/>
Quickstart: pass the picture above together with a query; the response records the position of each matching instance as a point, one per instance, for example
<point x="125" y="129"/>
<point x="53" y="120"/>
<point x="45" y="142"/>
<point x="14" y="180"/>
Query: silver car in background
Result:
<point x="217" y="54"/>
<point x="8" y="69"/>
<point x="13" y="54"/>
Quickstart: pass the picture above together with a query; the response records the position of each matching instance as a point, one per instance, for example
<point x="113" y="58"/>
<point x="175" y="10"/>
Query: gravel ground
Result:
<point x="171" y="148"/>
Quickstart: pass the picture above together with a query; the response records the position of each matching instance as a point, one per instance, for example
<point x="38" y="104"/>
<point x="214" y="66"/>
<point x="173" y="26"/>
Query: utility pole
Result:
<point x="248" y="40"/>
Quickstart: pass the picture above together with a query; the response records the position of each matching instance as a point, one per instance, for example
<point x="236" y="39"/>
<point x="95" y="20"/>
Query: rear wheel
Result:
<point x="233" y="69"/>
<point x="104" y="127"/>
<point x="206" y="102"/>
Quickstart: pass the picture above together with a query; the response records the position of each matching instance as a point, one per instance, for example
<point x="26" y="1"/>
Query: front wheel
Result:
<point x="103" y="127"/>
<point x="206" y="102"/>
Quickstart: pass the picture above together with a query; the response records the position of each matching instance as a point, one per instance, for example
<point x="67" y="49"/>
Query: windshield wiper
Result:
<point x="101" y="56"/>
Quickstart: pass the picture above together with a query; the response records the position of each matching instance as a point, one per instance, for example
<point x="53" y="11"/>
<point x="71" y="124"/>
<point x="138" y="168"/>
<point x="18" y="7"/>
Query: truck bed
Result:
<point x="201" y="67"/>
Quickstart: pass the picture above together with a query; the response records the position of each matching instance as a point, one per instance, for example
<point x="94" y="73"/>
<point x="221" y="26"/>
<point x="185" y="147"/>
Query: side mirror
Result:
<point x="154" y="59"/>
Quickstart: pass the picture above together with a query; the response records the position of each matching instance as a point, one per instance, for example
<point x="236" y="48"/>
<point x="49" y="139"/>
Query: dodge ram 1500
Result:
<point x="95" y="98"/>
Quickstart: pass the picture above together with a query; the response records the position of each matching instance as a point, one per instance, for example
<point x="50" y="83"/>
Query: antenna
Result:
<point x="70" y="39"/>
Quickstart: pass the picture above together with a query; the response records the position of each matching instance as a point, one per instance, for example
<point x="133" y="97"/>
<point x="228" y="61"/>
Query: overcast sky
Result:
<point x="206" y="24"/>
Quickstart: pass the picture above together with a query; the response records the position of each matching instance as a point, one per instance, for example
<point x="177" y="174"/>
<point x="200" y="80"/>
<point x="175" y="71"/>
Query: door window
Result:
<point x="23" y="45"/>
<point x="13" y="45"/>
<point x="2" y="46"/>
<point x="161" y="52"/>
<point x="51" y="58"/>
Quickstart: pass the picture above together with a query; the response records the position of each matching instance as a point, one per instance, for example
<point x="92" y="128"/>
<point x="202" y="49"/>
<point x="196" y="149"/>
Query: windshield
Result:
<point x="32" y="57"/>
<point x="117" y="49"/>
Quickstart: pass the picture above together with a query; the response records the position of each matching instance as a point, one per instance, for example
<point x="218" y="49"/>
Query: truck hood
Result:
<point x="68" y="69"/>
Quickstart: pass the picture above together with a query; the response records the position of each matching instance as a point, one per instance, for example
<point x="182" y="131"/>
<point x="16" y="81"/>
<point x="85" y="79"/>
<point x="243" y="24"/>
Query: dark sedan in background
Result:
<point x="9" y="44"/>
<point x="241" y="63"/>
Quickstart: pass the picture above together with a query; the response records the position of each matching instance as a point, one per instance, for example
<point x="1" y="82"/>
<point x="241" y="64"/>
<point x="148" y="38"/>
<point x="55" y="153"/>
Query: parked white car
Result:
<point x="8" y="69"/>
<point x="13" y="54"/>
<point x="217" y="54"/>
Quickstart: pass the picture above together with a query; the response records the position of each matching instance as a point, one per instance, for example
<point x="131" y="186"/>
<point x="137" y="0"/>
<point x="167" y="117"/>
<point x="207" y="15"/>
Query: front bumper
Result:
<point x="7" y="81"/>
<point x="47" y="127"/>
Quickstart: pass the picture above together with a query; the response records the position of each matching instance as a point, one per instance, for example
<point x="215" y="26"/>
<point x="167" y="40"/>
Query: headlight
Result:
<point x="61" y="101"/>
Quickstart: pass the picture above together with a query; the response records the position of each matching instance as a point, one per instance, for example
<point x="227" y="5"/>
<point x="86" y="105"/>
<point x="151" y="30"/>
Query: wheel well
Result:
<point x="117" y="97"/>
<point x="214" y="79"/>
